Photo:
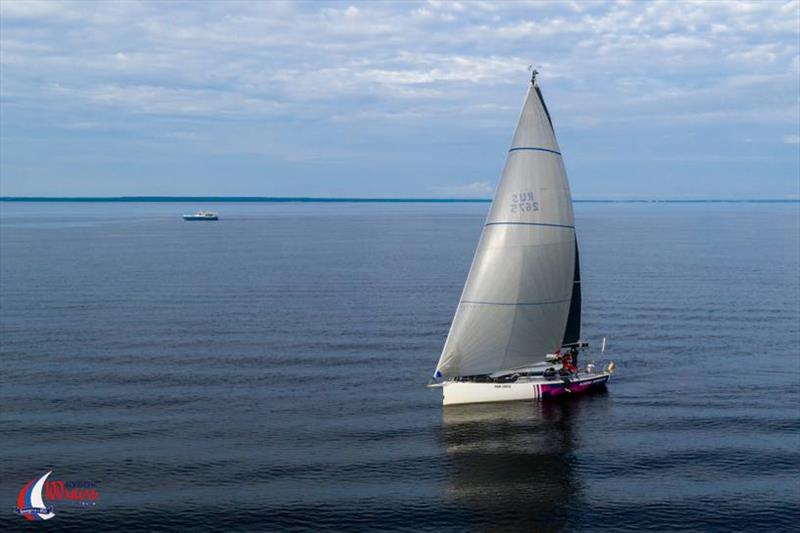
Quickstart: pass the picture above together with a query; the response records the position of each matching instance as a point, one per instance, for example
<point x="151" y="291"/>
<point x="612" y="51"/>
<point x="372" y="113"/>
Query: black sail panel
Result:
<point x="544" y="106"/>
<point x="572" y="333"/>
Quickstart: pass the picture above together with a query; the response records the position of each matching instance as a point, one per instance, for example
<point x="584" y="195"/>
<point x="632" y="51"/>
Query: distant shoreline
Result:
<point x="298" y="199"/>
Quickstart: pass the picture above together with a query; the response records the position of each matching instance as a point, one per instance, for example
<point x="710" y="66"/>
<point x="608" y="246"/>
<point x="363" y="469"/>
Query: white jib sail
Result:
<point x="514" y="307"/>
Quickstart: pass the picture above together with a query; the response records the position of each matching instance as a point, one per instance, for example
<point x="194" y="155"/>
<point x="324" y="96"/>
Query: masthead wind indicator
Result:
<point x="534" y="73"/>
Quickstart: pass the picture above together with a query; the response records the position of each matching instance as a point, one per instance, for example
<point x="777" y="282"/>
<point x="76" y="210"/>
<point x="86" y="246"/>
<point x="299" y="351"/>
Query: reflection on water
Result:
<point x="513" y="464"/>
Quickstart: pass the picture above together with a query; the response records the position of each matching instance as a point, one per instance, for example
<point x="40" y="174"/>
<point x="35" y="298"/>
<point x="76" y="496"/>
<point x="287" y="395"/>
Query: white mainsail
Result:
<point x="514" y="307"/>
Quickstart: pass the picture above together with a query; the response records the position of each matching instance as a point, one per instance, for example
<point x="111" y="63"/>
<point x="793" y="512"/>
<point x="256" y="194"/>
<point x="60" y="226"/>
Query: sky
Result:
<point x="661" y="99"/>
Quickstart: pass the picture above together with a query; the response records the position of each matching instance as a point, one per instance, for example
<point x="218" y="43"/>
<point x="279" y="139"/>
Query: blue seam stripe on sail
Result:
<point x="529" y="224"/>
<point x="534" y="149"/>
<point x="512" y="303"/>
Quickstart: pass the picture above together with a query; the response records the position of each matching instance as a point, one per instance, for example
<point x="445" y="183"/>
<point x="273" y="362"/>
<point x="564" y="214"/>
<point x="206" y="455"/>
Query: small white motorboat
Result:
<point x="202" y="215"/>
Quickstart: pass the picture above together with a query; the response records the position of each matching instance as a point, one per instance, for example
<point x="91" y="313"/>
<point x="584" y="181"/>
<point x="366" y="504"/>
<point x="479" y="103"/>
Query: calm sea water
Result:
<point x="266" y="372"/>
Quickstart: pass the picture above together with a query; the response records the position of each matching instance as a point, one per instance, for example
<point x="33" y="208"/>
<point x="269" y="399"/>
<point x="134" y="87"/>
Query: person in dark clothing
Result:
<point x="573" y="352"/>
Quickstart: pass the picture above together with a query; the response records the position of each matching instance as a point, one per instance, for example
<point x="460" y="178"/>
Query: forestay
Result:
<point x="516" y="300"/>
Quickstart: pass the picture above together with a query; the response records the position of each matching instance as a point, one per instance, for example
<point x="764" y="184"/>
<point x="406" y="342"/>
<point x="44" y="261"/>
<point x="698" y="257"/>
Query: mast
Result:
<point x="518" y="293"/>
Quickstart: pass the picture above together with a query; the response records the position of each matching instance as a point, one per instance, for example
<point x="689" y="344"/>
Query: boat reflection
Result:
<point x="513" y="464"/>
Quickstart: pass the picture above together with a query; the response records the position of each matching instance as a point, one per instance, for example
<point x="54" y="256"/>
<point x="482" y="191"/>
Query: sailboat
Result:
<point x="521" y="303"/>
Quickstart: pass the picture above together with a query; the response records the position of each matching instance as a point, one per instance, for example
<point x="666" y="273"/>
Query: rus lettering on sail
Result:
<point x="523" y="201"/>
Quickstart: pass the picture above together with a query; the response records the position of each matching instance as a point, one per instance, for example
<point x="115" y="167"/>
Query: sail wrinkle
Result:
<point x="514" y="303"/>
<point x="529" y="224"/>
<point x="533" y="149"/>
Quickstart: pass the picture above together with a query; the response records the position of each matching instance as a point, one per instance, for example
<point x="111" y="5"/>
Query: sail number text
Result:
<point x="523" y="201"/>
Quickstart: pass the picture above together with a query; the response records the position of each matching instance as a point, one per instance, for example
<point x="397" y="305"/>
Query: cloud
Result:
<point x="791" y="139"/>
<point x="385" y="58"/>
<point x="352" y="73"/>
<point x="30" y="9"/>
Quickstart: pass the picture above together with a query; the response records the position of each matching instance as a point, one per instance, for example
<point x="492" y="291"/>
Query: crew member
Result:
<point x="573" y="352"/>
<point x="568" y="362"/>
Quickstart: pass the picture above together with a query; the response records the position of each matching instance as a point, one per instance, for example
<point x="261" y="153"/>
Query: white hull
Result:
<point x="461" y="392"/>
<point x="455" y="393"/>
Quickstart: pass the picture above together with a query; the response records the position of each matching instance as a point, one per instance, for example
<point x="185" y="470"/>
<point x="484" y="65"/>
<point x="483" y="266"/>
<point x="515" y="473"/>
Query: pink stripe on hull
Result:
<point x="553" y="390"/>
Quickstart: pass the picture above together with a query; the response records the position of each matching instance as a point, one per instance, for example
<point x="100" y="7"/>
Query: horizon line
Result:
<point x="287" y="199"/>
